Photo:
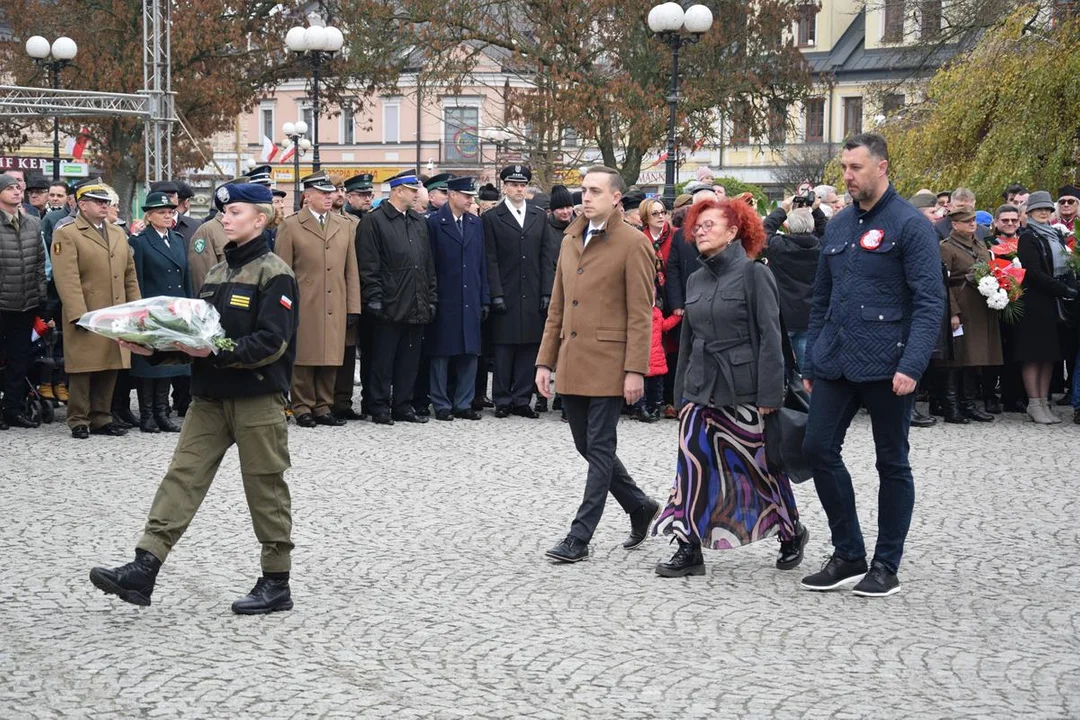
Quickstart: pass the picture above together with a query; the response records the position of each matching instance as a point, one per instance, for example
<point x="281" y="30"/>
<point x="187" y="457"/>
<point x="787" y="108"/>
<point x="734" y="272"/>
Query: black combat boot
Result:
<point x="687" y="560"/>
<point x="161" y="406"/>
<point x="133" y="583"/>
<point x="145" y="389"/>
<point x="968" y="407"/>
<point x="270" y="594"/>
<point x="791" y="551"/>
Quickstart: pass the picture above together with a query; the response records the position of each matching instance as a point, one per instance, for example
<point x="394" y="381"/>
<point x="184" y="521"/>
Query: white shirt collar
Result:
<point x="513" y="208"/>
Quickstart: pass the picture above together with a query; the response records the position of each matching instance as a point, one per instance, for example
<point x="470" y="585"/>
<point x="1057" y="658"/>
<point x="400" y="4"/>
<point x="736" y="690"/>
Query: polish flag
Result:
<point x="287" y="155"/>
<point x="659" y="159"/>
<point x="76" y="146"/>
<point x="269" y="149"/>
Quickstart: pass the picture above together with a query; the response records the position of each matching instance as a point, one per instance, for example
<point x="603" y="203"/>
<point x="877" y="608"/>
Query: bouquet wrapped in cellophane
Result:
<point x="161" y="323"/>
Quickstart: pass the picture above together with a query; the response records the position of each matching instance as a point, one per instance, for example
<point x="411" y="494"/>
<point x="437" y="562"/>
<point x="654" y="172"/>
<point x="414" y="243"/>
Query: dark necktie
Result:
<point x="459" y="227"/>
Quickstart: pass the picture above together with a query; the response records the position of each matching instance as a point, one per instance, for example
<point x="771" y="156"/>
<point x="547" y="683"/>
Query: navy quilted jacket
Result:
<point x="878" y="298"/>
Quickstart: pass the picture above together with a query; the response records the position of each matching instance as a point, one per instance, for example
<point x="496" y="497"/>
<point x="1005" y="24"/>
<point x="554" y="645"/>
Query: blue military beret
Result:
<point x="243" y="193"/>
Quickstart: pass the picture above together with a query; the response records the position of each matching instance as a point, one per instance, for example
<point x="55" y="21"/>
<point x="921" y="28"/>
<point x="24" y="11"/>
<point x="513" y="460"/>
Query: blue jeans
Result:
<point x="798" y="344"/>
<point x="833" y="404"/>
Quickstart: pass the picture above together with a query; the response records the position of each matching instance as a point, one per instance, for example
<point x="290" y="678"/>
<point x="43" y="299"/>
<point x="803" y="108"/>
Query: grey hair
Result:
<point x="963" y="195"/>
<point x="822" y="191"/>
<point x="800" y="221"/>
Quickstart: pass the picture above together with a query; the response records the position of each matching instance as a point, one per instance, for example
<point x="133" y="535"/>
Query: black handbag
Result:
<point x="785" y="428"/>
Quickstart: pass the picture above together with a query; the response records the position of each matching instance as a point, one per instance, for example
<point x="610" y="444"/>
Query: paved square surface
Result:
<point x="421" y="590"/>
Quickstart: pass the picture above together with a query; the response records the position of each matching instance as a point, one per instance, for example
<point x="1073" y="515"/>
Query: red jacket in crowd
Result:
<point x="657" y="356"/>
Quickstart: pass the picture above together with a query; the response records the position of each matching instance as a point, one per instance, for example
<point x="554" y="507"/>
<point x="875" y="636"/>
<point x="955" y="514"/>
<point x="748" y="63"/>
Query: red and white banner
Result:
<point x="76" y="146"/>
<point x="287" y="155"/>
<point x="269" y="149"/>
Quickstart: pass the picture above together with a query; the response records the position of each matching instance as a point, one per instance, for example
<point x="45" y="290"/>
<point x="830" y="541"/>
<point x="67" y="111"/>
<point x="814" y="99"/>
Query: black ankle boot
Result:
<point x="687" y="560"/>
<point x="968" y="406"/>
<point x="270" y="594"/>
<point x="133" y="583"/>
<point x="161" y="406"/>
<point x="951" y="399"/>
<point x="145" y="389"/>
<point x="791" y="551"/>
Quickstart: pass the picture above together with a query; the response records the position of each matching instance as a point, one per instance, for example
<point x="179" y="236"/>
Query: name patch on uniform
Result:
<point x="200" y="245"/>
<point x="871" y="239"/>
<point x="240" y="299"/>
<point x="286" y="302"/>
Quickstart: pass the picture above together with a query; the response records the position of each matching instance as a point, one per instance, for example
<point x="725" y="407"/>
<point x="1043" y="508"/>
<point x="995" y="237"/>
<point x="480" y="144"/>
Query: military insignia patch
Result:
<point x="241" y="301"/>
<point x="286" y="302"/>
<point x="200" y="245"/>
<point x="56" y="248"/>
<point x="223" y="194"/>
<point x="871" y="239"/>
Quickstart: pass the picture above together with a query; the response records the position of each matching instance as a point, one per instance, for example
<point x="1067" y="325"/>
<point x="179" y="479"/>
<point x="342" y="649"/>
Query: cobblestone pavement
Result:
<point x="421" y="591"/>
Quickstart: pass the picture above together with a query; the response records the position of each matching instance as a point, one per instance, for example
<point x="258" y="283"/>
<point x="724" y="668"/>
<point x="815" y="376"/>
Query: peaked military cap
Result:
<point x="158" y="200"/>
<point x="465" y="185"/>
<point x="164" y="186"/>
<point x="261" y="175"/>
<point x="406" y="178"/>
<point x="438" y="182"/>
<point x="516" y="173"/>
<point x="318" y="181"/>
<point x="360" y="183"/>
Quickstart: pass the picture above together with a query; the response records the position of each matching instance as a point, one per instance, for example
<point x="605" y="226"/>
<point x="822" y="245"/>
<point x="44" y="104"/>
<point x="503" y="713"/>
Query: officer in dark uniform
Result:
<point x="263" y="175"/>
<point x="359" y="191"/>
<point x="239" y="398"/>
<point x="522" y="250"/>
<point x="161" y="265"/>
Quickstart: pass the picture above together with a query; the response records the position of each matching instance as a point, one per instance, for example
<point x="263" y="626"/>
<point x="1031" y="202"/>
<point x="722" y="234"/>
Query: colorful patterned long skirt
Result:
<point x="724" y="495"/>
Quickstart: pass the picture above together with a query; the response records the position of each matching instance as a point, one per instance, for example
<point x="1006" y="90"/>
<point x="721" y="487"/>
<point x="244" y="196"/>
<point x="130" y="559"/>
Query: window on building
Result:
<point x="348" y="126"/>
<point x="391" y="114"/>
<point x="266" y="121"/>
<point x="852" y="116"/>
<point x="815" y="120"/>
<point x="309" y="118"/>
<point x="806" y="26"/>
<point x="460" y="125"/>
<point x="892" y="104"/>
<point x="740" y="124"/>
<point x="777" y="125"/>
<point x="930" y="25"/>
<point x="570" y="137"/>
<point x="894" y="21"/>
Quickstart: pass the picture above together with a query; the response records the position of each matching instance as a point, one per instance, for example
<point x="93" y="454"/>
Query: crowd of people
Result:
<point x="604" y="301"/>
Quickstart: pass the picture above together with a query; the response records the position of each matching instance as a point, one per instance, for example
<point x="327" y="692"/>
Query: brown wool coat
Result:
<point x="980" y="345"/>
<point x="92" y="273"/>
<point x="205" y="250"/>
<point x="324" y="262"/>
<point x="599" y="325"/>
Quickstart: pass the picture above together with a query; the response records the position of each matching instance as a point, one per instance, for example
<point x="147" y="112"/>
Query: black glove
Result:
<point x="485" y="310"/>
<point x="352" y="320"/>
<point x="498" y="305"/>
<point x="1071" y="293"/>
<point x="375" y="308"/>
<point x="545" y="303"/>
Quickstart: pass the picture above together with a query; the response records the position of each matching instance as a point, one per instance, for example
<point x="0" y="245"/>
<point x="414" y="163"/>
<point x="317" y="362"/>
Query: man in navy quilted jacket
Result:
<point x="875" y="317"/>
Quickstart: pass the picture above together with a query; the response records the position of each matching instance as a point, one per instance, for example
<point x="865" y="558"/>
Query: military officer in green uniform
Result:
<point x="239" y="398"/>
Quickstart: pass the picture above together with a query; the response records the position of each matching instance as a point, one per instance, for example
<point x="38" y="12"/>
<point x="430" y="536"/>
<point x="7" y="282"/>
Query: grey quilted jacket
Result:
<point x="22" y="264"/>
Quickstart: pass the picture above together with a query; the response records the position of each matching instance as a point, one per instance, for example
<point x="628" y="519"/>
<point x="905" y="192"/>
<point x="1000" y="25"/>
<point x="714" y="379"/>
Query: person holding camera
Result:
<point x="793" y="258"/>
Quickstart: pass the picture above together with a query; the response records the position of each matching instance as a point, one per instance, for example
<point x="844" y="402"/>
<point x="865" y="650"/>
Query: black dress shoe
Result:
<point x="570" y="550"/>
<point x="133" y="583"/>
<point x="382" y="419"/>
<point x="269" y="595"/>
<point x="329" y="419"/>
<point x="350" y="414"/>
<point x="835" y="573"/>
<point x="305" y="420"/>
<point x="468" y="415"/>
<point x="687" y="560"/>
<point x="524" y="411"/>
<point x="993" y="406"/>
<point x="973" y="413"/>
<point x="922" y="421"/>
<point x="148" y="425"/>
<point x="123" y="417"/>
<point x="108" y="429"/>
<point x="422" y="410"/>
<point x="791" y="551"/>
<point x="409" y="417"/>
<point x="20" y="421"/>
<point x="502" y="411"/>
<point x="444" y="415"/>
<point x="4" y="425"/>
<point x="541" y="405"/>
<point x="640" y="520"/>
<point x="80" y="432"/>
<point x="165" y="424"/>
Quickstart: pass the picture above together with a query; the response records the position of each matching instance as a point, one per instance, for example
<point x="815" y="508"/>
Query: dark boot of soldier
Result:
<point x="133" y="582"/>
<point x="270" y="594"/>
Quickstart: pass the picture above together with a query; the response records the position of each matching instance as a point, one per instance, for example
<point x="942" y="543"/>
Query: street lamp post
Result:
<point x="295" y="133"/>
<point x="54" y="58"/>
<point x="676" y="27"/>
<point x="321" y="42"/>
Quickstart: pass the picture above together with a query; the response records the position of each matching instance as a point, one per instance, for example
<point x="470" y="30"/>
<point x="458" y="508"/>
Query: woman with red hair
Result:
<point x="730" y="376"/>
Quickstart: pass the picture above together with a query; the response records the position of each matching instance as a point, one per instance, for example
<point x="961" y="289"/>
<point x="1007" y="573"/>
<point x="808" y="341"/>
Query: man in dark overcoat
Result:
<point x="453" y="339"/>
<point x="521" y="251"/>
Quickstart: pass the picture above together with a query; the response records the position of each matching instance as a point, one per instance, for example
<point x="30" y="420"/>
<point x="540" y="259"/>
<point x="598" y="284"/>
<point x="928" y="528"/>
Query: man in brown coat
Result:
<point x="597" y="338"/>
<point x="320" y="247"/>
<point x="93" y="269"/>
<point x="206" y="249"/>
